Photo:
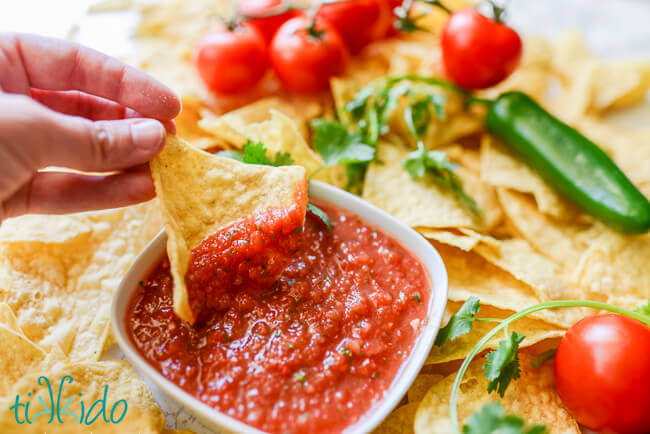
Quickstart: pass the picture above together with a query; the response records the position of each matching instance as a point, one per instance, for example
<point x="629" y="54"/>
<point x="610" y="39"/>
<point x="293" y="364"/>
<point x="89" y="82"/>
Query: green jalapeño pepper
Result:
<point x="569" y="162"/>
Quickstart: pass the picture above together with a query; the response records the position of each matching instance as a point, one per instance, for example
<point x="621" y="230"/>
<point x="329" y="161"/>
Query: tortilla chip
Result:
<point x="615" y="268"/>
<point x="423" y="203"/>
<point x="280" y="134"/>
<point x="535" y="330"/>
<point x="187" y="126"/>
<point x="61" y="292"/>
<point x="421" y="385"/>
<point x="471" y="275"/>
<point x="18" y="356"/>
<point x="561" y="242"/>
<point x="233" y="126"/>
<point x="464" y="239"/>
<point x="400" y="421"/>
<point x="201" y="193"/>
<point x="518" y="258"/>
<point x="532" y="396"/>
<point x="47" y="229"/>
<point x="89" y="382"/>
<point x="500" y="168"/>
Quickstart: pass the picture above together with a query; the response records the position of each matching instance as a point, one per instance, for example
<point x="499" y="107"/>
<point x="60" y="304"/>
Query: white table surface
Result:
<point x="612" y="29"/>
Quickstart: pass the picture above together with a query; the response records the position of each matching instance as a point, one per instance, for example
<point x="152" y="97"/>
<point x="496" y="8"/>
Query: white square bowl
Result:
<point x="407" y="237"/>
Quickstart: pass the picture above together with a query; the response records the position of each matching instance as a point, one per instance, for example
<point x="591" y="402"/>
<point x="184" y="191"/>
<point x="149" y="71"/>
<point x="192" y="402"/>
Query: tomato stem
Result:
<point x="497" y="11"/>
<point x="438" y="4"/>
<point x="453" y="411"/>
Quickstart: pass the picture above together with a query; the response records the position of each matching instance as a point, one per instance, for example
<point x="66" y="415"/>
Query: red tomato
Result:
<point x="231" y="61"/>
<point x="358" y="21"/>
<point x="392" y="4"/>
<point x="602" y="373"/>
<point x="304" y="58"/>
<point x="477" y="51"/>
<point x="269" y="25"/>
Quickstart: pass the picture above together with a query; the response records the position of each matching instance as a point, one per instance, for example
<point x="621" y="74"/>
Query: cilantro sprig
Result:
<point x="460" y="323"/>
<point x="503" y="363"/>
<point x="352" y="139"/>
<point x="256" y="153"/>
<point x="492" y="418"/>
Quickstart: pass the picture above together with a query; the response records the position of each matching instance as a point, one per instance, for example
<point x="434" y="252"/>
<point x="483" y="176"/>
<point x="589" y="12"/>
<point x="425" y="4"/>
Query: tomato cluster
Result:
<point x="305" y="51"/>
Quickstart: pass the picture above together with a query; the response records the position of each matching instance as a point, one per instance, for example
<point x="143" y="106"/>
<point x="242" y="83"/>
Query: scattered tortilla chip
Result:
<point x="280" y="134"/>
<point x="201" y="193"/>
<point x="463" y="238"/>
<point x="560" y="242"/>
<point x="187" y="125"/>
<point x="534" y="329"/>
<point x="615" y="267"/>
<point x="500" y="168"/>
<point x="19" y="355"/>
<point x="400" y="421"/>
<point x="421" y="385"/>
<point x="45" y="229"/>
<point x="518" y="258"/>
<point x="470" y="274"/>
<point x="89" y="382"/>
<point x="532" y="397"/>
<point x="423" y="203"/>
<point x="233" y="126"/>
<point x="61" y="292"/>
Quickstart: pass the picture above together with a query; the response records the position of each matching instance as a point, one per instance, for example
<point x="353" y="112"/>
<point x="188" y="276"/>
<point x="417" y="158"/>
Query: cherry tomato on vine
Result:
<point x="267" y="26"/>
<point x="231" y="60"/>
<point x="392" y="4"/>
<point x="478" y="52"/>
<point x="358" y="21"/>
<point x="305" y="54"/>
<point x="602" y="373"/>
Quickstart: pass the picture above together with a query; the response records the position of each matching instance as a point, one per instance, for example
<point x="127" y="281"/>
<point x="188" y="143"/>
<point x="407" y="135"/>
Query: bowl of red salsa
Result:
<point x="332" y="345"/>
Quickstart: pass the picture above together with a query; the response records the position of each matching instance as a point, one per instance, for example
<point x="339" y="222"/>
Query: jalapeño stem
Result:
<point x="453" y="414"/>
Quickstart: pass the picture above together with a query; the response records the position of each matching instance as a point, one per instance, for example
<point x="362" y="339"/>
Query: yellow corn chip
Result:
<point x="500" y="168"/>
<point x="532" y="397"/>
<point x="233" y="126"/>
<point x="535" y="330"/>
<point x="400" y="421"/>
<point x="423" y="203"/>
<point x="114" y="385"/>
<point x="471" y="275"/>
<point x="47" y="229"/>
<point x="421" y="386"/>
<point x="200" y="193"/>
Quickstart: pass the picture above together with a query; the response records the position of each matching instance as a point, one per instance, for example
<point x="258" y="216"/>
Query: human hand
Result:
<point x="68" y="106"/>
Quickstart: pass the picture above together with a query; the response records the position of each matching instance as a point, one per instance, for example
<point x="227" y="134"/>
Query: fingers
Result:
<point x="48" y="138"/>
<point x="62" y="193"/>
<point x="90" y="107"/>
<point x="30" y="61"/>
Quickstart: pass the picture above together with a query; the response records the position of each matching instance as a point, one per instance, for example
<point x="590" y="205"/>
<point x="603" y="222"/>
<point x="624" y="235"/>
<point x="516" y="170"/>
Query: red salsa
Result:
<point x="310" y="350"/>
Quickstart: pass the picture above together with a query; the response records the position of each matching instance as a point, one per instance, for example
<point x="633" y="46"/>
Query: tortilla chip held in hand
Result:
<point x="228" y="223"/>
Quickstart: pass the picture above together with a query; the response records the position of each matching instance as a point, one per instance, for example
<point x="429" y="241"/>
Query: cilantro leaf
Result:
<point x="421" y="162"/>
<point x="503" y="363"/>
<point x="355" y="173"/>
<point x="283" y="159"/>
<point x="460" y="323"/>
<point x="337" y="145"/>
<point x="320" y="215"/>
<point x="492" y="418"/>
<point x="644" y="309"/>
<point x="418" y="114"/>
<point x="255" y="153"/>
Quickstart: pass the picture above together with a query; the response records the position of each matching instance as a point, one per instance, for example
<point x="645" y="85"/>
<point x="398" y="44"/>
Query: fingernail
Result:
<point x="148" y="134"/>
